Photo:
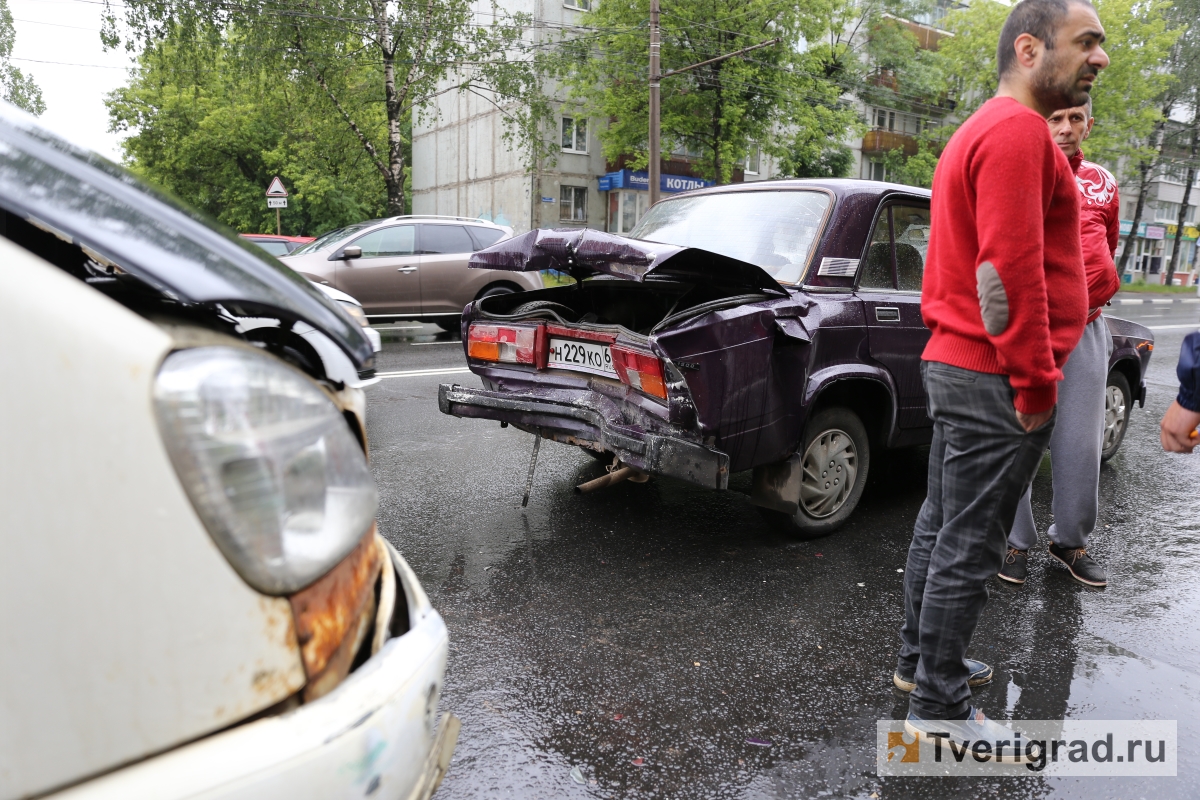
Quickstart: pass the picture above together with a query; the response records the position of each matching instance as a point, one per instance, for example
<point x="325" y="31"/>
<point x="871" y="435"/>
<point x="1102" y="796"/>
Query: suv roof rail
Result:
<point x="443" y="216"/>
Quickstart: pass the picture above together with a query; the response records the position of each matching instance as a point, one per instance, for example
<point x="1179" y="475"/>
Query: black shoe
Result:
<point x="981" y="673"/>
<point x="1016" y="566"/>
<point x="1082" y="566"/>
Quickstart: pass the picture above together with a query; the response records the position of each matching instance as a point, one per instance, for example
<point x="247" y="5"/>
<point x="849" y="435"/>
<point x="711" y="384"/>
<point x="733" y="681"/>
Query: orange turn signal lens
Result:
<point x="486" y="351"/>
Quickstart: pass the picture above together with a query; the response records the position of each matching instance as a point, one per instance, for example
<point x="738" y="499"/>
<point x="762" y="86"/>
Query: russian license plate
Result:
<point x="593" y="357"/>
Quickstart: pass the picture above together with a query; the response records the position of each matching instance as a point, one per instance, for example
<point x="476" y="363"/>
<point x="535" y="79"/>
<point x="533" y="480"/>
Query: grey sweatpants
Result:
<point x="1074" y="446"/>
<point x="980" y="462"/>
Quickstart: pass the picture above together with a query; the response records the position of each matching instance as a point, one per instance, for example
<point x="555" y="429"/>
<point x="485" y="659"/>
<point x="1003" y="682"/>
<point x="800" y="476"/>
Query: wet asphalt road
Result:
<point x="646" y="633"/>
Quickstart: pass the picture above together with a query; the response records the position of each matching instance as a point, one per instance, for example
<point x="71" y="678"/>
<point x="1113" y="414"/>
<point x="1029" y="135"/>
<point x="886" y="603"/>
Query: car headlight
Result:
<point x="356" y="311"/>
<point x="268" y="461"/>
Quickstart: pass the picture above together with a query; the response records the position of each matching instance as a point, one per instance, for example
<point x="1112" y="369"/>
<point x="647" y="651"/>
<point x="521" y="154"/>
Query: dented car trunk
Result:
<point x="616" y="362"/>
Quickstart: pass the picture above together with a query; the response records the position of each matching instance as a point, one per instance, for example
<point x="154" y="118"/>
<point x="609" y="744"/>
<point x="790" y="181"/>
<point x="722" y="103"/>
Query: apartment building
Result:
<point x="462" y="165"/>
<point x="1155" y="239"/>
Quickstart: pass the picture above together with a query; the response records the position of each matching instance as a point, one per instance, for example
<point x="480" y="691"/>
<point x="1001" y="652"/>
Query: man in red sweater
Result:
<point x="1077" y="441"/>
<point x="1004" y="241"/>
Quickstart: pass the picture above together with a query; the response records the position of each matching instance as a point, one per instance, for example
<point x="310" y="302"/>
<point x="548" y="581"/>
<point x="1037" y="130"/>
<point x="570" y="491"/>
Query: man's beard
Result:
<point x="1053" y="90"/>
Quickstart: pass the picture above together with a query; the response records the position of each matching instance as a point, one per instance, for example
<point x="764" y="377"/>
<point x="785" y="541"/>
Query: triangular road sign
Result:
<point x="276" y="188"/>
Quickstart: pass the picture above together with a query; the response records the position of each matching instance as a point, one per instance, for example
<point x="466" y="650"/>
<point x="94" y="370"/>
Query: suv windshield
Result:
<point x="774" y="230"/>
<point x="328" y="239"/>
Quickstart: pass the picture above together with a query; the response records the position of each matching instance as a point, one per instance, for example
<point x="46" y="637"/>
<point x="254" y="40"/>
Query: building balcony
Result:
<point x="879" y="142"/>
<point x="928" y="37"/>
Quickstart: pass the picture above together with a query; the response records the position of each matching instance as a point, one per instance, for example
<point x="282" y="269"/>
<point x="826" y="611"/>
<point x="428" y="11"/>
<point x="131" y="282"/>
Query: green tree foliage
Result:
<point x="1127" y="95"/>
<point x="15" y="86"/>
<point x="352" y="58"/>
<point x="914" y="170"/>
<point x="785" y="98"/>
<point x="217" y="138"/>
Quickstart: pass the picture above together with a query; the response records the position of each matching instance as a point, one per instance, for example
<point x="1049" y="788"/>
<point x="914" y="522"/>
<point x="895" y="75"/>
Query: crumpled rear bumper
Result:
<point x="575" y="423"/>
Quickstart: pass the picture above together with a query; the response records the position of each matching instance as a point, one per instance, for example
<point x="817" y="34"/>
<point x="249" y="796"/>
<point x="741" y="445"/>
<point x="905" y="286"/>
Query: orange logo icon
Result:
<point x="911" y="749"/>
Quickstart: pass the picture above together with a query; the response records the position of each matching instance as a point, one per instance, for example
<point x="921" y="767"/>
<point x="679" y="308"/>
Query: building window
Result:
<point x="687" y="150"/>
<point x="883" y="119"/>
<point x="581" y="5"/>
<point x="572" y="204"/>
<point x="874" y="171"/>
<point x="1169" y="212"/>
<point x="574" y="135"/>
<point x="750" y="165"/>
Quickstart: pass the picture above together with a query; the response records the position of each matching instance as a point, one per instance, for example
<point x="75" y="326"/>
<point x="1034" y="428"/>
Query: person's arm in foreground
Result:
<point x="1181" y="419"/>
<point x="1011" y="210"/>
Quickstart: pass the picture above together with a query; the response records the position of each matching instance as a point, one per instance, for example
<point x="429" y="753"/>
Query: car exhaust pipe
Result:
<point x="625" y="473"/>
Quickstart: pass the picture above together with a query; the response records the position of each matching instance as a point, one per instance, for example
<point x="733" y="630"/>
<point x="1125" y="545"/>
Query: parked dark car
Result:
<point x="779" y="330"/>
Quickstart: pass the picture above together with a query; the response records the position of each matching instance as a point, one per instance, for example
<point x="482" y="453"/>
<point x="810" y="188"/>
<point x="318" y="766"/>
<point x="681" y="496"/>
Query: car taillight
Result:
<point x="642" y="372"/>
<point x="508" y="344"/>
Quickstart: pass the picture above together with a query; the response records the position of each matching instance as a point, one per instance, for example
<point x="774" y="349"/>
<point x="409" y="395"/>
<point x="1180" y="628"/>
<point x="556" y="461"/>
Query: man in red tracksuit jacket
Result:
<point x="1077" y="441"/>
<point x="1005" y="300"/>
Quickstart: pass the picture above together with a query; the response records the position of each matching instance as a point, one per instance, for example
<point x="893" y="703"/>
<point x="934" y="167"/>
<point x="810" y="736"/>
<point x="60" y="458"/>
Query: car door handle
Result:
<point x="887" y="314"/>
<point x="407" y="269"/>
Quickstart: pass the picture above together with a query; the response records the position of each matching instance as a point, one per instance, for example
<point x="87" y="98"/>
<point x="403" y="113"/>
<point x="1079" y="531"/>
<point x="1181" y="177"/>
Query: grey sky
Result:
<point x="68" y="32"/>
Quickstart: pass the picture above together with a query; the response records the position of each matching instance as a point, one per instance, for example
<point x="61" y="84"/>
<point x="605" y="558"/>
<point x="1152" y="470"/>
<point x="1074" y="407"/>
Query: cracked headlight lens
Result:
<point x="268" y="461"/>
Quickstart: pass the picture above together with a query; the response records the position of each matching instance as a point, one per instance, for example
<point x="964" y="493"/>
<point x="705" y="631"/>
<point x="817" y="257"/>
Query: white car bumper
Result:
<point x="374" y="736"/>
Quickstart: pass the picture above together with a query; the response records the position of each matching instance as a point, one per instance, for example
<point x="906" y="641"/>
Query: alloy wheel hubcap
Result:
<point x="1114" y="415"/>
<point x="830" y="466"/>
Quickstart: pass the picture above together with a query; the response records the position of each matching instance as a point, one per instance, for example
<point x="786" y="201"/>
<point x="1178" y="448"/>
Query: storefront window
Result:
<point x="625" y="209"/>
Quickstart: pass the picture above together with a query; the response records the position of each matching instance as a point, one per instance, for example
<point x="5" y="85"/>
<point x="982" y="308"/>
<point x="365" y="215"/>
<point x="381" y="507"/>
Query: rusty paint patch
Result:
<point x="330" y="611"/>
<point x="338" y="666"/>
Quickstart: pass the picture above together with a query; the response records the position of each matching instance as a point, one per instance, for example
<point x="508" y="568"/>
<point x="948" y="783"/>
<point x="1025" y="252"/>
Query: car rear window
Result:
<point x="486" y="236"/>
<point x="436" y="239"/>
<point x="774" y="230"/>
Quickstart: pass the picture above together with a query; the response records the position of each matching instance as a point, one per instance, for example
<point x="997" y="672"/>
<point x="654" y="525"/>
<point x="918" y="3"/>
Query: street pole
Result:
<point x="277" y="233"/>
<point x="655" y="108"/>
<point x="656" y="76"/>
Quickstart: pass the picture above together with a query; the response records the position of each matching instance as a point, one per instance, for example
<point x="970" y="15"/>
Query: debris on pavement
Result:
<point x="577" y="775"/>
<point x="758" y="742"/>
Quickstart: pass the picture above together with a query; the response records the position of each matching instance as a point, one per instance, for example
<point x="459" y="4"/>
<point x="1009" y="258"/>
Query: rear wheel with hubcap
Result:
<point x="835" y="456"/>
<point x="1118" y="402"/>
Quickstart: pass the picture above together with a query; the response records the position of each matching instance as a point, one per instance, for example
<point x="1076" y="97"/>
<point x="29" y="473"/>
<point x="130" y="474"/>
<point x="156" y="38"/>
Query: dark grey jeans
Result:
<point x="980" y="462"/>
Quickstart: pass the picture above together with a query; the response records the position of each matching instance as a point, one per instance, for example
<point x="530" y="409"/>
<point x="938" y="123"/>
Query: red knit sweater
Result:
<point x="1004" y="194"/>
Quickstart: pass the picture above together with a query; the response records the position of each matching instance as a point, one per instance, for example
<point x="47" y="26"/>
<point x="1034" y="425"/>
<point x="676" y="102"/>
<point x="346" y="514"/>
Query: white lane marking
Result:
<point x="417" y="373"/>
<point x="417" y="344"/>
<point x="1137" y="301"/>
<point x="1172" y="327"/>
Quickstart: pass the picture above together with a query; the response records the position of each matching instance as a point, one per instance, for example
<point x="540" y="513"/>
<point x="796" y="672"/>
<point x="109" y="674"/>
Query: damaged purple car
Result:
<point x="772" y="326"/>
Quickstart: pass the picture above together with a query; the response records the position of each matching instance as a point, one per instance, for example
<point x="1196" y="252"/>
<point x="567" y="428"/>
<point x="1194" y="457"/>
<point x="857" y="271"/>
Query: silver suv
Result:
<point x="410" y="267"/>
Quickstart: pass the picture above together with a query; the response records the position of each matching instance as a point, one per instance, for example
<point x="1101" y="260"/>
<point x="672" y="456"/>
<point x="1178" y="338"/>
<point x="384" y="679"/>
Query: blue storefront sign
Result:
<point x="628" y="179"/>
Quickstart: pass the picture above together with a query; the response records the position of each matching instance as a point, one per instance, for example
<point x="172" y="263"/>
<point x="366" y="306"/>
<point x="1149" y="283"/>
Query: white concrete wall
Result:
<point x="463" y="166"/>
